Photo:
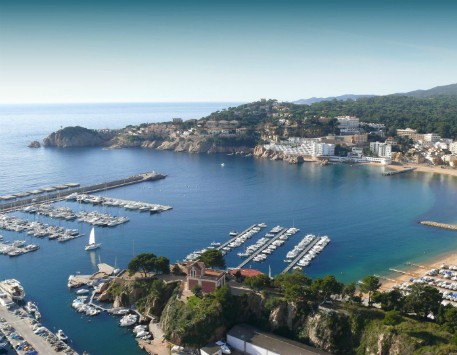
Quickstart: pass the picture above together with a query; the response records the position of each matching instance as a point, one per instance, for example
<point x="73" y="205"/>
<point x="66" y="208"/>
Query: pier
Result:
<point x="396" y="172"/>
<point x="60" y="195"/>
<point x="300" y="255"/>
<point x="263" y="247"/>
<point x="233" y="239"/>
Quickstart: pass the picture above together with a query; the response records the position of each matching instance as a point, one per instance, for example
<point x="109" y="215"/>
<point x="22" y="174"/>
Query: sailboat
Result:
<point x="92" y="245"/>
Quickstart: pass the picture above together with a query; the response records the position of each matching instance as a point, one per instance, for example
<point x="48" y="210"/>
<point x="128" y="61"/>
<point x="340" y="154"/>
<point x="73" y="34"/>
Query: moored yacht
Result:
<point x="13" y="288"/>
<point x="92" y="245"/>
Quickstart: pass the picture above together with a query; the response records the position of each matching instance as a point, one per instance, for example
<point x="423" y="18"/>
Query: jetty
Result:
<point x="234" y="238"/>
<point x="301" y="255"/>
<point x="396" y="172"/>
<point x="58" y="195"/>
<point x="439" y="225"/>
<point x="263" y="247"/>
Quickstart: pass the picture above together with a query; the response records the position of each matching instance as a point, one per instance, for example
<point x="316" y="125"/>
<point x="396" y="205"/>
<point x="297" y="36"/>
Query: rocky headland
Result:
<point x="70" y="137"/>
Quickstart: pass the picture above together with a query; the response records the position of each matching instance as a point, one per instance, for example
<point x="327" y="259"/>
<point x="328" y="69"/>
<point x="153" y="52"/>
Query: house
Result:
<point x="208" y="279"/>
<point x="249" y="340"/>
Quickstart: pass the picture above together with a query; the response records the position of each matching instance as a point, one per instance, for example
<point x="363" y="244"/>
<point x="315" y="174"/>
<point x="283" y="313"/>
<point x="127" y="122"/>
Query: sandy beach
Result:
<point x="419" y="168"/>
<point x="417" y="270"/>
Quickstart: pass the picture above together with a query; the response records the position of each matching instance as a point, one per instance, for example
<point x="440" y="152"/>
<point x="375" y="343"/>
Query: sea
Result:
<point x="372" y="220"/>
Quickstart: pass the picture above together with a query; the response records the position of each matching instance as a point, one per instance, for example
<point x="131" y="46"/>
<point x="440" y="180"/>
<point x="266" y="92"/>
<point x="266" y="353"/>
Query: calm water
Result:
<point x="371" y="219"/>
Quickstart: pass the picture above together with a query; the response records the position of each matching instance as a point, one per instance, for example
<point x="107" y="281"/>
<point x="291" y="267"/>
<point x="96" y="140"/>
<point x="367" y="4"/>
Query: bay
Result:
<point x="371" y="219"/>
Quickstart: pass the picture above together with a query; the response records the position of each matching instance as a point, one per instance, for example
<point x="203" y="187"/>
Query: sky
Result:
<point x="60" y="51"/>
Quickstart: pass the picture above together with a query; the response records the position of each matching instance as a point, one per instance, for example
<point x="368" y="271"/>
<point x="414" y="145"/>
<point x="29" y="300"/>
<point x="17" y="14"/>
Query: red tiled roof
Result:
<point x="216" y="273"/>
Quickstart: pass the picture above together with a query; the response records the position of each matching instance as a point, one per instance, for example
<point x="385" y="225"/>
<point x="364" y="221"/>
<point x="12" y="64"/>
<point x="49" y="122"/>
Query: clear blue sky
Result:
<point x="218" y="50"/>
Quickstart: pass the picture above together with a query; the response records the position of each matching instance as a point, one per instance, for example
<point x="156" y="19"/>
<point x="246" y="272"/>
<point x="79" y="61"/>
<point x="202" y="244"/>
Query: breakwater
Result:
<point x="60" y="195"/>
<point x="396" y="172"/>
<point x="439" y="225"/>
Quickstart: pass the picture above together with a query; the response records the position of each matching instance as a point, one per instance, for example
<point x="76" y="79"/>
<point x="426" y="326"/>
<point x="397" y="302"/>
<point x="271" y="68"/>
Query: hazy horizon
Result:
<point x="100" y="51"/>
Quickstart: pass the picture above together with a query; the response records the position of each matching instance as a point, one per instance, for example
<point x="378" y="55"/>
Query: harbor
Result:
<point x="302" y="254"/>
<point x="62" y="194"/>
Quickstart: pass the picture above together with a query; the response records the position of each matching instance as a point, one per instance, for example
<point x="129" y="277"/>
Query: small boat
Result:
<point x="233" y="233"/>
<point x="128" y="320"/>
<point x="215" y="244"/>
<point x="61" y="335"/>
<point x="222" y="164"/>
<point x="83" y="291"/>
<point x="92" y="245"/>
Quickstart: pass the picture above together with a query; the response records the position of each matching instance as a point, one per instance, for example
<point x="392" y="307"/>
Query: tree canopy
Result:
<point x="149" y="262"/>
<point x="369" y="285"/>
<point x="212" y="258"/>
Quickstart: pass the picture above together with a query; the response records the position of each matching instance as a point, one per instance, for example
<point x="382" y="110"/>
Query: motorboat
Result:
<point x="233" y="233"/>
<point x="128" y="320"/>
<point x="61" y="335"/>
<point x="13" y="288"/>
<point x="83" y="291"/>
<point x="92" y="245"/>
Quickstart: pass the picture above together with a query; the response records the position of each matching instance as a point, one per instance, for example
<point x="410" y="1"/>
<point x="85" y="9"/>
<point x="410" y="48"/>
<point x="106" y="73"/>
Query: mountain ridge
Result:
<point x="450" y="89"/>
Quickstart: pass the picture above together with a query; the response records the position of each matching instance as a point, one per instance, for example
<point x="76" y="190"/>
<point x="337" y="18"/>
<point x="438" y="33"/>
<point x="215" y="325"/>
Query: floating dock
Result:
<point x="234" y="238"/>
<point x="300" y="255"/>
<point x="58" y="195"/>
<point x="262" y="248"/>
<point x="396" y="172"/>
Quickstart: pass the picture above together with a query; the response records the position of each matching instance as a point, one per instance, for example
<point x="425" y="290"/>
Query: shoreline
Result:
<point x="391" y="278"/>
<point x="418" y="168"/>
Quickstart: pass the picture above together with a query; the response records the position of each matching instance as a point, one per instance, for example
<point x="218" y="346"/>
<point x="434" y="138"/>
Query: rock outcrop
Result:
<point x="34" y="144"/>
<point x="77" y="137"/>
<point x="261" y="152"/>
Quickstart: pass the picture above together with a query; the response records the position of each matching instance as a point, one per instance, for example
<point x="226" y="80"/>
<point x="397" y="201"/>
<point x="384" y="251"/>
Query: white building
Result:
<point x="303" y="146"/>
<point x="431" y="137"/>
<point x="348" y="124"/>
<point x="453" y="148"/>
<point x="251" y="341"/>
<point x="382" y="150"/>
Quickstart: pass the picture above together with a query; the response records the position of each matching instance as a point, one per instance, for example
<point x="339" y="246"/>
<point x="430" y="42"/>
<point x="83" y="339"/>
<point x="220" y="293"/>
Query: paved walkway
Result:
<point x="24" y="328"/>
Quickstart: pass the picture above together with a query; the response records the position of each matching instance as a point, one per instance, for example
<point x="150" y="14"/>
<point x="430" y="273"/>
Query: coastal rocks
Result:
<point x="150" y="144"/>
<point x="75" y="137"/>
<point x="34" y="144"/>
<point x="261" y="152"/>
<point x="330" y="331"/>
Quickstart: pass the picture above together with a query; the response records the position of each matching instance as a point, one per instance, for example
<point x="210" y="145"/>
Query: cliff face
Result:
<point x="76" y="137"/>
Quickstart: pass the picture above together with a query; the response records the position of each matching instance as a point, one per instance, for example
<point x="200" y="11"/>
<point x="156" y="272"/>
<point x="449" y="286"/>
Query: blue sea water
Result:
<point x="371" y="219"/>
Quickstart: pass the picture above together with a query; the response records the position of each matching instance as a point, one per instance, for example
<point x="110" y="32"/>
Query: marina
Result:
<point x="37" y="229"/>
<point x="280" y="232"/>
<point x="116" y="202"/>
<point x="311" y="244"/>
<point x="246" y="231"/>
<point x="60" y="194"/>
<point x="17" y="247"/>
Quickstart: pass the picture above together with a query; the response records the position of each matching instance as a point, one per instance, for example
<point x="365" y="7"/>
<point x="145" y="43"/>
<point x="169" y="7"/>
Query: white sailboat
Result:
<point x="92" y="245"/>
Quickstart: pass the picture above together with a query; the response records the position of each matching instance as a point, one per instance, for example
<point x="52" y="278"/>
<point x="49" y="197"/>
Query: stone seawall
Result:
<point x="439" y="225"/>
